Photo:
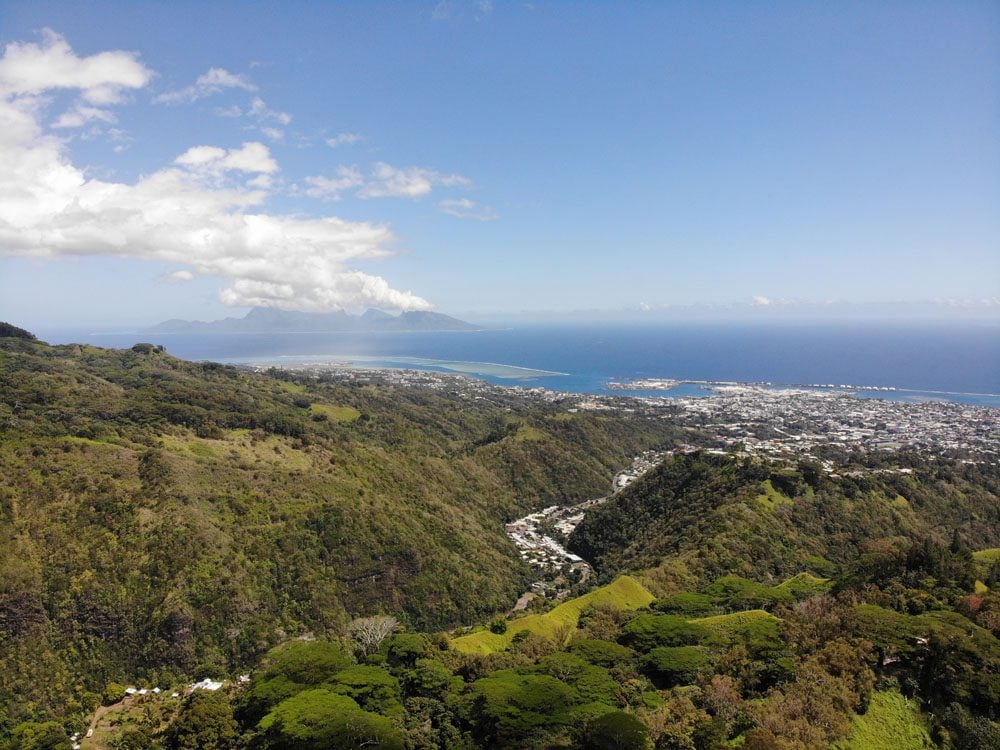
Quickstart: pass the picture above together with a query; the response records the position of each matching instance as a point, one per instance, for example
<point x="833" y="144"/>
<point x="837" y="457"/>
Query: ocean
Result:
<point x="954" y="362"/>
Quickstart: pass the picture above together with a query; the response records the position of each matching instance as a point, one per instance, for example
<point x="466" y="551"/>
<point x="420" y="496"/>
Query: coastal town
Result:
<point x="822" y="424"/>
<point x="757" y="419"/>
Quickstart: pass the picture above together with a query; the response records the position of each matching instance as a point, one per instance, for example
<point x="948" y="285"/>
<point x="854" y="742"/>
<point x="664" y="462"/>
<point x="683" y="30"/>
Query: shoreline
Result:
<point x="638" y="389"/>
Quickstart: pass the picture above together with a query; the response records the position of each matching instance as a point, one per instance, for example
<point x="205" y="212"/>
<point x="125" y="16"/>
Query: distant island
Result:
<point x="271" y="320"/>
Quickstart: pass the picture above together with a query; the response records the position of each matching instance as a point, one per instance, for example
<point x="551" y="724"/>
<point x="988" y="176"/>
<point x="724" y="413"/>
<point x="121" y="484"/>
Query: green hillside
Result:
<point x="306" y="541"/>
<point x="624" y="593"/>
<point x="162" y="518"/>
<point x="660" y="525"/>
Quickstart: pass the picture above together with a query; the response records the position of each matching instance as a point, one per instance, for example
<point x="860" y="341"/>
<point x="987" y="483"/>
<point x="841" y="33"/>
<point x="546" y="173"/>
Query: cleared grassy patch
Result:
<point x="82" y="440"/>
<point x="728" y="625"/>
<point x="770" y="498"/>
<point x="804" y="585"/>
<point x="528" y="434"/>
<point x="342" y="414"/>
<point x="624" y="592"/>
<point x="984" y="559"/>
<point x="202" y="450"/>
<point x="242" y="447"/>
<point x="563" y="416"/>
<point x="988" y="556"/>
<point x="890" y="724"/>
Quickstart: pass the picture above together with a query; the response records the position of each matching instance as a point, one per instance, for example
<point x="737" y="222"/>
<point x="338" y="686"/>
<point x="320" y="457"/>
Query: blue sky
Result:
<point x="190" y="160"/>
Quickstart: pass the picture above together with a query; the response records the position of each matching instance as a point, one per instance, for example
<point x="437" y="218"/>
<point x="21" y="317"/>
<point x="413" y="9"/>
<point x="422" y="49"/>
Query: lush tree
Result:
<point x="688" y="604"/>
<point x="428" y="678"/>
<point x="133" y="738"/>
<point x="676" y="665"/>
<point x="320" y="719"/>
<point x="647" y="632"/>
<point x="602" y="653"/>
<point x="47" y="735"/>
<point x="373" y="688"/>
<point x="498" y="625"/>
<point x="617" y="730"/>
<point x="307" y="662"/>
<point x="205" y="722"/>
<point x="507" y="707"/>
<point x="406" y="648"/>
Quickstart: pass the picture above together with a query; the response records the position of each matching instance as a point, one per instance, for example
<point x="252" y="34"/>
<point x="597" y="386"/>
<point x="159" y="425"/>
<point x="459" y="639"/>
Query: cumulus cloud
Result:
<point x="207" y="84"/>
<point x="28" y="70"/>
<point x="387" y="181"/>
<point x="760" y="301"/>
<point x="464" y="208"/>
<point x="195" y="213"/>
<point x="252" y="157"/>
<point x="342" y="139"/>
<point x="179" y="276"/>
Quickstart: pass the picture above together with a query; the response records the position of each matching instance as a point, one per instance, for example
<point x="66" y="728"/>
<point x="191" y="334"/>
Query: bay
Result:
<point x="955" y="362"/>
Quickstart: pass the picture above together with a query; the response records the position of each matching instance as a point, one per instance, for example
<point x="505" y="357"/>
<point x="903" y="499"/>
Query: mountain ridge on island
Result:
<point x="273" y="320"/>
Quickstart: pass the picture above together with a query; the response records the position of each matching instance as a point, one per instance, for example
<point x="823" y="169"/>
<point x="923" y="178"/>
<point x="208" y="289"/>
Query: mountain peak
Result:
<point x="274" y="320"/>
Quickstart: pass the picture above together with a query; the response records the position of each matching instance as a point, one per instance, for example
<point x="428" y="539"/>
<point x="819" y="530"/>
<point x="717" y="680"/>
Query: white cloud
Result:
<point x="263" y="114"/>
<point x="330" y="188"/>
<point x="197" y="156"/>
<point x="759" y="301"/>
<point x="180" y="214"/>
<point x="27" y="70"/>
<point x="387" y="181"/>
<point x="464" y="208"/>
<point x="212" y="82"/>
<point x="233" y="111"/>
<point x="81" y="114"/>
<point x="178" y="276"/>
<point x="252" y="157"/>
<point x="261" y="111"/>
<point x="342" y="139"/>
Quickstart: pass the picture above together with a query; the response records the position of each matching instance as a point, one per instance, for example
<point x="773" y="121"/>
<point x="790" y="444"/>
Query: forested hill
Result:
<point x="700" y="516"/>
<point x="161" y="519"/>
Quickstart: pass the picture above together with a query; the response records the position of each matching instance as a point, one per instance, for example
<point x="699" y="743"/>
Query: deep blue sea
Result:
<point x="957" y="362"/>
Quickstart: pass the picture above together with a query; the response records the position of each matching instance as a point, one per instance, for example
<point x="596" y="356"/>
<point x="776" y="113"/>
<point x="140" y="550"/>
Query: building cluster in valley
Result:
<point x="533" y="534"/>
